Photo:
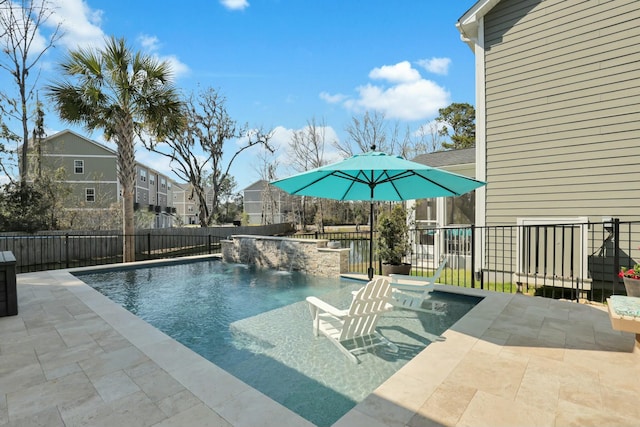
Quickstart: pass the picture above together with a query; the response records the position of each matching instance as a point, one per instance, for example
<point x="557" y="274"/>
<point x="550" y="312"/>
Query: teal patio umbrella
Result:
<point x="377" y="176"/>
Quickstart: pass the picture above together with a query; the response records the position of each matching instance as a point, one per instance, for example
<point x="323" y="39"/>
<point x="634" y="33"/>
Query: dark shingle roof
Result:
<point x="447" y="158"/>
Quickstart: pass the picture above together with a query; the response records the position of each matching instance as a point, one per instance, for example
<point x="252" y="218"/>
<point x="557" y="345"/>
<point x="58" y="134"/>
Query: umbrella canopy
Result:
<point x="377" y="176"/>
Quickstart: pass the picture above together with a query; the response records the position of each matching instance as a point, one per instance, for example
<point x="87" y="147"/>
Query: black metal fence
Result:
<point x="556" y="260"/>
<point x="50" y="252"/>
<point x="55" y="250"/>
<point x="567" y="260"/>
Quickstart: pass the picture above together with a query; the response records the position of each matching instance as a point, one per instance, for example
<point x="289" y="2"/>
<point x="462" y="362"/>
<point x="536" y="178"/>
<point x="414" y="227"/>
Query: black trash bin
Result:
<point x="8" y="293"/>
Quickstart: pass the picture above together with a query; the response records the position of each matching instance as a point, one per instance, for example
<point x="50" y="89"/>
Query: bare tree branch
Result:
<point x="21" y="26"/>
<point x="364" y="132"/>
<point x="199" y="148"/>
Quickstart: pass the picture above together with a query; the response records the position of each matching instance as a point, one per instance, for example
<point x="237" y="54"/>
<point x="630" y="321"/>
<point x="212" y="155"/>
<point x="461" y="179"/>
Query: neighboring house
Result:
<point x="431" y="215"/>
<point x="443" y="211"/>
<point x="557" y="116"/>
<point x="266" y="204"/>
<point x="185" y="204"/>
<point x="90" y="171"/>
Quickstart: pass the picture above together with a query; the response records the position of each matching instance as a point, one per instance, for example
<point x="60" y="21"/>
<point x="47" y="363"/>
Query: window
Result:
<point x="163" y="183"/>
<point x="168" y="185"/>
<point x="78" y="166"/>
<point x="90" y="194"/>
<point x="143" y="175"/>
<point x="190" y="208"/>
<point x="152" y="179"/>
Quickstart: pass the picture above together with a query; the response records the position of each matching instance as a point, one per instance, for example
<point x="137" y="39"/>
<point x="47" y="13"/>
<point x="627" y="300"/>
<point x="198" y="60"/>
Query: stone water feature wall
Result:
<point x="310" y="256"/>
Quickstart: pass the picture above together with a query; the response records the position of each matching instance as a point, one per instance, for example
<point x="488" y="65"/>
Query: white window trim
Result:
<point x="86" y="195"/>
<point x="75" y="167"/>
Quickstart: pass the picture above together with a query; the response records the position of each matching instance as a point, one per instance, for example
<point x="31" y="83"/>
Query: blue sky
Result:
<point x="281" y="63"/>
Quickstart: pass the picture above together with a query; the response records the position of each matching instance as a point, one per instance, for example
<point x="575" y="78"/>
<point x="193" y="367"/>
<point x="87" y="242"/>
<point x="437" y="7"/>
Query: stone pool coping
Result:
<point x="505" y="363"/>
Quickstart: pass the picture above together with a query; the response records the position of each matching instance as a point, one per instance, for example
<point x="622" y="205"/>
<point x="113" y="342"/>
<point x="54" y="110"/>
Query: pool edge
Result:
<point x="230" y="400"/>
<point x="220" y="391"/>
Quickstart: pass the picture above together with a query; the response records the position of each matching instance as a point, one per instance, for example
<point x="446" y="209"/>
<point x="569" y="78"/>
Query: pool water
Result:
<point x="255" y="324"/>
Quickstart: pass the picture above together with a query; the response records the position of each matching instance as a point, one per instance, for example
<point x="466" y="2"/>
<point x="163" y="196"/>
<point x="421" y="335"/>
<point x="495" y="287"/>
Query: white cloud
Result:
<point x="404" y="94"/>
<point x="332" y="99"/>
<point x="39" y="41"/>
<point x="280" y="139"/>
<point x="436" y="65"/>
<point x="80" y="24"/>
<point x="178" y="67"/>
<point x="408" y="101"/>
<point x="401" y="72"/>
<point x="235" y="4"/>
<point x="429" y="128"/>
<point x="150" y="43"/>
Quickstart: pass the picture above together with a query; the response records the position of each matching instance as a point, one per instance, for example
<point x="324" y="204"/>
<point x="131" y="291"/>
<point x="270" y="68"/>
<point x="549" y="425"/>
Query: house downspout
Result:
<point x="481" y="144"/>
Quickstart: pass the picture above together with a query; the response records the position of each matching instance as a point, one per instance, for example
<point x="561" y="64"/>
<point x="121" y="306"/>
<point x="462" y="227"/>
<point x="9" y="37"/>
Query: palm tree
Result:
<point x="123" y="93"/>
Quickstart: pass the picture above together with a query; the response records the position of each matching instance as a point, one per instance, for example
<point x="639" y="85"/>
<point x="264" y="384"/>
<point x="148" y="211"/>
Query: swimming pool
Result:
<point x="256" y="325"/>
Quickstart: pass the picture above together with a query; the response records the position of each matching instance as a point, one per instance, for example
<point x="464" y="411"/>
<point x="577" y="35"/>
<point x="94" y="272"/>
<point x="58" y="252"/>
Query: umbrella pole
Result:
<point x="370" y="270"/>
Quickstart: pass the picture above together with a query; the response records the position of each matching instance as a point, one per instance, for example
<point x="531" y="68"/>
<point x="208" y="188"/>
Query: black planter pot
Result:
<point x="388" y="269"/>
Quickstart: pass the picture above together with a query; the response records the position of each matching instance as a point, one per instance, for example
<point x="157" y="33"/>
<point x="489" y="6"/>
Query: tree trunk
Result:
<point x="203" y="213"/>
<point x="127" y="176"/>
<point x="129" y="246"/>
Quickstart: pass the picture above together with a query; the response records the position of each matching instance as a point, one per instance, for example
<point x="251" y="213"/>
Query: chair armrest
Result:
<point x="396" y="277"/>
<point x="326" y="307"/>
<point x="413" y="287"/>
<point x="427" y="283"/>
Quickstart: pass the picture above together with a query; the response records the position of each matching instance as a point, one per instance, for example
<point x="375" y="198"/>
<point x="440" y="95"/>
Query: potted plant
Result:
<point x="631" y="278"/>
<point x="393" y="241"/>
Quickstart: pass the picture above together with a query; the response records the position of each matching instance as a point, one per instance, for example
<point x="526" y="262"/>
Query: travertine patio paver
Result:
<point x="73" y="358"/>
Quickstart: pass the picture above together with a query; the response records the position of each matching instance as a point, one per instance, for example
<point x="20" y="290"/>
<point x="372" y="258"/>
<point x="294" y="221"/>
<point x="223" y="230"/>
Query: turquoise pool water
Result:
<point x="255" y="324"/>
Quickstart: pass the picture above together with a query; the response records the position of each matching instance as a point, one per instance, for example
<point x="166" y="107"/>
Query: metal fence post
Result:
<point x="616" y="253"/>
<point x="149" y="245"/>
<point x="66" y="249"/>
<point x="209" y="244"/>
<point x="473" y="256"/>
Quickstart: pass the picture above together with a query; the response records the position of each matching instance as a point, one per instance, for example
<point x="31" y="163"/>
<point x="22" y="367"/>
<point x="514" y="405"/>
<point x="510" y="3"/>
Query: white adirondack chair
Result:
<point x="412" y="296"/>
<point x="354" y="329"/>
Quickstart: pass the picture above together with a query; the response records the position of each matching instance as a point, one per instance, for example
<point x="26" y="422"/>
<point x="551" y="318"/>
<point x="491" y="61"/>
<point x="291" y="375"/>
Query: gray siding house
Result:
<point x="186" y="206"/>
<point x="90" y="171"/>
<point x="557" y="120"/>
<point x="558" y="108"/>
<point x="266" y="204"/>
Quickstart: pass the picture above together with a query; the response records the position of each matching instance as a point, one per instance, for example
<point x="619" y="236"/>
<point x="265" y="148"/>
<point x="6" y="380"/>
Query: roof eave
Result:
<point x="467" y="25"/>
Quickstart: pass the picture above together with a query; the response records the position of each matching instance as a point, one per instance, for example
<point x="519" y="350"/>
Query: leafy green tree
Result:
<point x="123" y="93"/>
<point x="393" y="235"/>
<point x="5" y="135"/>
<point x="460" y="118"/>
<point x="23" y="207"/>
<point x="55" y="195"/>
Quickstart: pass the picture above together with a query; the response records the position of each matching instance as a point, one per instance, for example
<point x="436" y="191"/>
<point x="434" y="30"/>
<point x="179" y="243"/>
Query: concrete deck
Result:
<point x="74" y="358"/>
